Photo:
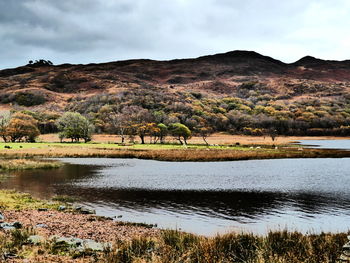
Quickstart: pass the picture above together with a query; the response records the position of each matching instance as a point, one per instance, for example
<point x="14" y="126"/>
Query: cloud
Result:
<point x="83" y="31"/>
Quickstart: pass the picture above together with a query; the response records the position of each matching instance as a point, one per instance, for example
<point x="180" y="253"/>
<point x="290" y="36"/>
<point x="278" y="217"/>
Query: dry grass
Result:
<point x="174" y="247"/>
<point x="276" y="247"/>
<point x="201" y="154"/>
<point x="23" y="164"/>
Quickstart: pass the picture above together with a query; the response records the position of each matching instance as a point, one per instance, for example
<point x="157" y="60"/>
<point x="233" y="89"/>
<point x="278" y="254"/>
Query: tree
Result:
<point x="162" y="133"/>
<point x="74" y="126"/>
<point x="4" y="121"/>
<point x="115" y="122"/>
<point x="22" y="126"/>
<point x="204" y="132"/>
<point x="180" y="131"/>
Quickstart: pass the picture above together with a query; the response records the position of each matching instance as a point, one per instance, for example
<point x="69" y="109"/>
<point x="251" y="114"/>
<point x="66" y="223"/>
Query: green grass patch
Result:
<point x="12" y="200"/>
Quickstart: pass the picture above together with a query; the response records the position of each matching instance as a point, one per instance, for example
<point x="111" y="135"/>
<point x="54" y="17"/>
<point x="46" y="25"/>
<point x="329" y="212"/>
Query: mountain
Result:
<point x="236" y="73"/>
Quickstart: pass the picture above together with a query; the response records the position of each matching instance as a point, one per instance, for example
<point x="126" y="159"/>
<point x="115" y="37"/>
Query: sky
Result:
<point x="92" y="31"/>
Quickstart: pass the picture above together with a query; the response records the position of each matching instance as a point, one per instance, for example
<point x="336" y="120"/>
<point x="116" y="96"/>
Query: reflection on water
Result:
<point x="303" y="194"/>
<point x="328" y="144"/>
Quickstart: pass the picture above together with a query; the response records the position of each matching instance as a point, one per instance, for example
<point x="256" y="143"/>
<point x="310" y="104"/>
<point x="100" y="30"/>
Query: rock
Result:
<point x="42" y="209"/>
<point x="2" y="217"/>
<point x="7" y="226"/>
<point x="17" y="225"/>
<point x="93" y="245"/>
<point x="87" y="211"/>
<point x="36" y="239"/>
<point x="41" y="226"/>
<point x="77" y="208"/>
<point x="10" y="226"/>
<point x="8" y="255"/>
<point x="61" y="208"/>
<point x="79" y="244"/>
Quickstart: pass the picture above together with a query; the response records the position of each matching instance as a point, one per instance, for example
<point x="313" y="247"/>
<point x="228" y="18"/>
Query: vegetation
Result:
<point x="163" y="152"/>
<point x="12" y="200"/>
<point x="174" y="246"/>
<point x="19" y="127"/>
<point x="74" y="126"/>
<point x="24" y="164"/>
<point x="282" y="246"/>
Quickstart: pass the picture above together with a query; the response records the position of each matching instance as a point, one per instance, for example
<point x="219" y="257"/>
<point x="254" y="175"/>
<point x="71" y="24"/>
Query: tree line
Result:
<point x="22" y="127"/>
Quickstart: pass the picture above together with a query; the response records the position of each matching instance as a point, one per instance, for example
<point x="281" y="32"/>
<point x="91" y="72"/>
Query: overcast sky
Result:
<point x="84" y="31"/>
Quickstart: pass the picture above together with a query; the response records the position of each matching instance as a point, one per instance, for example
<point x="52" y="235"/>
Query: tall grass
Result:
<point x="174" y="246"/>
<point x="276" y="247"/>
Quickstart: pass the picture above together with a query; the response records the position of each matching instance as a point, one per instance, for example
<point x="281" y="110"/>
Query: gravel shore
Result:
<point x="49" y="223"/>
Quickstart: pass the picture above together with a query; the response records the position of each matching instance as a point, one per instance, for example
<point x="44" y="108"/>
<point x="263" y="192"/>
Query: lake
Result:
<point x="309" y="195"/>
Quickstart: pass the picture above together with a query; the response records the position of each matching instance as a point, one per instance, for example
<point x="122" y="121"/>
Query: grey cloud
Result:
<point x="83" y="31"/>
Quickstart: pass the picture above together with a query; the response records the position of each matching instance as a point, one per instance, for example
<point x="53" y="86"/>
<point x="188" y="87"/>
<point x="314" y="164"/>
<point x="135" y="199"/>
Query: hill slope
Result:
<point x="225" y="85"/>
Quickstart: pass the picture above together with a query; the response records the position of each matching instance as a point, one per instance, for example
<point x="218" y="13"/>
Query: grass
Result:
<point x="13" y="200"/>
<point x="167" y="152"/>
<point x="174" y="246"/>
<point x="23" y="164"/>
<point x="282" y="246"/>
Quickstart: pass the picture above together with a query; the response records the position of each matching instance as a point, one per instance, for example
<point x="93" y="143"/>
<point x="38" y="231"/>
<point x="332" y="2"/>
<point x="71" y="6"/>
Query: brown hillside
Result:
<point x="237" y="73"/>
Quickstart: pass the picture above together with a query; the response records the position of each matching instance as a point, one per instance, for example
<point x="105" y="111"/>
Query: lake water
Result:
<point x="309" y="195"/>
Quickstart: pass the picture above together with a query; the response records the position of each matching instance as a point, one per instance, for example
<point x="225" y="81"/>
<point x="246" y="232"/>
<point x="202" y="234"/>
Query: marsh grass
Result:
<point x="282" y="246"/>
<point x="172" y="246"/>
<point x="173" y="154"/>
<point x="25" y="164"/>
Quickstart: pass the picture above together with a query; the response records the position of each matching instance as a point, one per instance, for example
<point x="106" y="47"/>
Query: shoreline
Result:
<point x="192" y="154"/>
<point x="40" y="221"/>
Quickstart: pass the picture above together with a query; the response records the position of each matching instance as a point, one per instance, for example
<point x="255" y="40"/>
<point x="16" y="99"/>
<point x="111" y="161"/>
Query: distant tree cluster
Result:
<point x="40" y="62"/>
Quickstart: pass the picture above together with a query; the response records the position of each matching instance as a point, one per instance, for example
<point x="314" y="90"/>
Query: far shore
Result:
<point x="216" y="138"/>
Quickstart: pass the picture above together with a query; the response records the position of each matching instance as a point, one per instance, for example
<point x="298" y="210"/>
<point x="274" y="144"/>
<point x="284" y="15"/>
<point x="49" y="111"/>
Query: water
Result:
<point x="309" y="195"/>
<point x="328" y="144"/>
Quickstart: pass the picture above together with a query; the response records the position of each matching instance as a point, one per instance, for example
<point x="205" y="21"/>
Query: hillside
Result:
<point x="226" y="85"/>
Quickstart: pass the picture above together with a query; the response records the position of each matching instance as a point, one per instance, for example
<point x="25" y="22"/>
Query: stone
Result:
<point x="61" y="208"/>
<point x="2" y="217"/>
<point x="79" y="244"/>
<point x="10" y="226"/>
<point x="17" y="225"/>
<point x="7" y="226"/>
<point x="36" y="239"/>
<point x="41" y="226"/>
<point x="87" y="211"/>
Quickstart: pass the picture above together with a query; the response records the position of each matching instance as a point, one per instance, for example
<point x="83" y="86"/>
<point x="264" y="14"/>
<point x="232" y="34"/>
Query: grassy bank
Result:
<point x="164" y="152"/>
<point x="23" y="164"/>
<point x="172" y="246"/>
<point x="13" y="200"/>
